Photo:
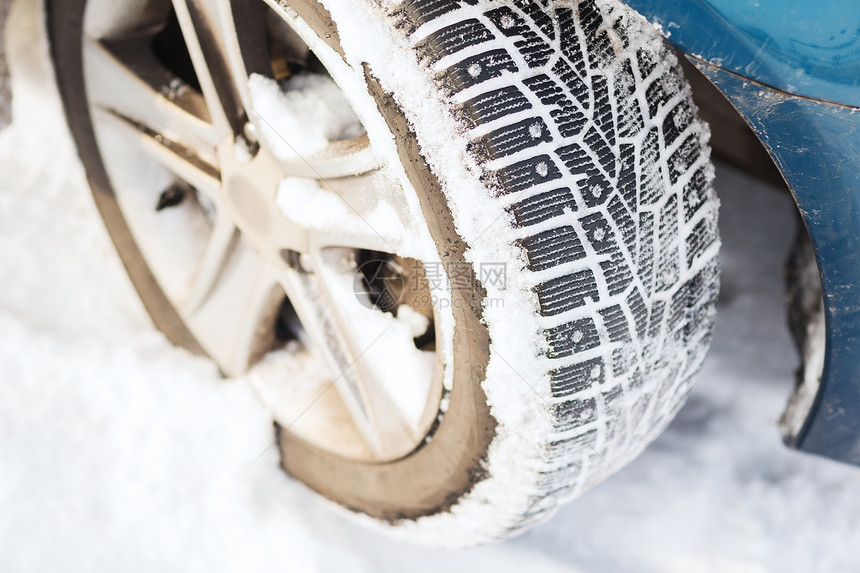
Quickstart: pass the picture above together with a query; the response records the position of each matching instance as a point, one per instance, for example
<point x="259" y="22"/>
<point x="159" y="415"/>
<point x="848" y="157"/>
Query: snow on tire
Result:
<point x="566" y="144"/>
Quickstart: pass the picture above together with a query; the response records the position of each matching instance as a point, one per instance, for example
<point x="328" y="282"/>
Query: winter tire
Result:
<point x="543" y="160"/>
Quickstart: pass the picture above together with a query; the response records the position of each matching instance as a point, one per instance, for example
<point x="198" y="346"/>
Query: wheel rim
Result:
<point x="232" y="214"/>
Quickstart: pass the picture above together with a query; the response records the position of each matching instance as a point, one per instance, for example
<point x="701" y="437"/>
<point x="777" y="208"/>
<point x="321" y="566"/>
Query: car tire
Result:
<point x="558" y="140"/>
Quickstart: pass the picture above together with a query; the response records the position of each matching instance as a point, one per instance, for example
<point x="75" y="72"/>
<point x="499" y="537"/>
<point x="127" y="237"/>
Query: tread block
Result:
<point x="575" y="159"/>
<point x="615" y="323"/>
<point x="668" y="265"/>
<point x="599" y="233"/>
<point x="542" y="206"/>
<point x="696" y="192"/>
<point x="703" y="235"/>
<point x="600" y="52"/>
<point x="475" y="70"/>
<point x="570" y="380"/>
<point x="645" y="254"/>
<point x="616" y="272"/>
<point x="522" y="175"/>
<point x="452" y="39"/>
<point x="510" y="139"/>
<point x="650" y="174"/>
<point x="661" y="91"/>
<point x="668" y="271"/>
<point x="572" y="338"/>
<point x="655" y="321"/>
<point x="533" y="48"/>
<point x="595" y="189"/>
<point x="597" y="41"/>
<point x="560" y="478"/>
<point x="539" y="15"/>
<point x="589" y="18"/>
<point x="552" y="248"/>
<point x="627" y="176"/>
<point x="571" y="50"/>
<point x="630" y="120"/>
<point x="668" y="233"/>
<point x="412" y="14"/>
<point x="603" y="111"/>
<point x="702" y="281"/>
<point x="683" y="157"/>
<point x="573" y="413"/>
<point x="602" y="150"/>
<point x="568" y="117"/>
<point x="567" y="292"/>
<point x="613" y="408"/>
<point x="491" y="106"/>
<point x="677" y="308"/>
<point x="646" y="62"/>
<point x="623" y="359"/>
<point x="640" y="312"/>
<point x="676" y="122"/>
<point x="565" y="449"/>
<point x="624" y="222"/>
<point x="700" y="315"/>
<point x="621" y="33"/>
<point x="575" y="84"/>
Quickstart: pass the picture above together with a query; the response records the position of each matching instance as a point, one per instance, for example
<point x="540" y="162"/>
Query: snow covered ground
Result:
<point x="119" y="452"/>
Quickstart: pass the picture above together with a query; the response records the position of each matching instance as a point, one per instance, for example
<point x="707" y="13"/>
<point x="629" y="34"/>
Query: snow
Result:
<point x="121" y="453"/>
<point x="416" y="322"/>
<point x="322" y="208"/>
<point x="390" y="356"/>
<point x="284" y="108"/>
<point x="307" y="203"/>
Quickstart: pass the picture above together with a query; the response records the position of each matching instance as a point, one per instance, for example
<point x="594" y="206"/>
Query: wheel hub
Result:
<point x="249" y="195"/>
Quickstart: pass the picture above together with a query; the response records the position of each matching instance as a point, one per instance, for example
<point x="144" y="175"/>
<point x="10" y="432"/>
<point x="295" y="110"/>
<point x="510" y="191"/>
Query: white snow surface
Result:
<point x="284" y="110"/>
<point x="119" y="452"/>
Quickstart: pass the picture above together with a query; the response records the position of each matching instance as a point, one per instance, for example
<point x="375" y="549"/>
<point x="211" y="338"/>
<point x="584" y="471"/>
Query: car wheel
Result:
<point x="465" y="250"/>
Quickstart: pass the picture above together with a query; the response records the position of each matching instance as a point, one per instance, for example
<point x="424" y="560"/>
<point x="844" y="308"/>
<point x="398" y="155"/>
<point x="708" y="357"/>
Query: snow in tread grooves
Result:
<point x="518" y="405"/>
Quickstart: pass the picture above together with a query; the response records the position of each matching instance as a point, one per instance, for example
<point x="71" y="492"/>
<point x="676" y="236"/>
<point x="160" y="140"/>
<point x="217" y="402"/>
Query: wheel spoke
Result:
<point x="201" y="28"/>
<point x="374" y="334"/>
<point x="235" y="320"/>
<point x="359" y="235"/>
<point x="354" y="361"/>
<point x="181" y="161"/>
<point x="222" y="243"/>
<point x="325" y="340"/>
<point x="338" y="159"/>
<point x="125" y="79"/>
<point x="360" y="212"/>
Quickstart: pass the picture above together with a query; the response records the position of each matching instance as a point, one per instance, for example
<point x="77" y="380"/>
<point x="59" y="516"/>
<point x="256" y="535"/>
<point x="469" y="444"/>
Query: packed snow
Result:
<point x="306" y="96"/>
<point x="119" y="452"/>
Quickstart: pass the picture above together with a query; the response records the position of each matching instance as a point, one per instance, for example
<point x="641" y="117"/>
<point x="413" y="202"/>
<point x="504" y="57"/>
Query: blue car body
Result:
<point x="791" y="68"/>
